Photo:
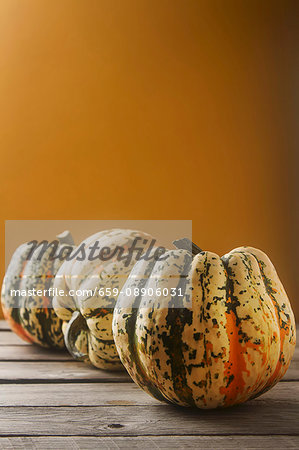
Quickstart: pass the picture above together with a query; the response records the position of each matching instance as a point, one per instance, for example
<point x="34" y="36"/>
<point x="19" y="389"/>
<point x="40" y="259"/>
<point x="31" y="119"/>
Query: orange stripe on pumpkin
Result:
<point x="16" y="327"/>
<point x="235" y="367"/>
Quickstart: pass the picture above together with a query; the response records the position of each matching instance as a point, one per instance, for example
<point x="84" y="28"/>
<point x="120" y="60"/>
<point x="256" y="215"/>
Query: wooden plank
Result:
<point x="4" y="325"/>
<point x="32" y="353"/>
<point x="68" y="372"/>
<point x="293" y="371"/>
<point x="10" y="338"/>
<point x="252" y="418"/>
<point x="111" y="394"/>
<point x="164" y="442"/>
<point x="77" y="394"/>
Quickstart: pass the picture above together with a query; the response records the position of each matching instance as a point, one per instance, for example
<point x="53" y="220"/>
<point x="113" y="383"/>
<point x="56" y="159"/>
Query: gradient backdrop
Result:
<point x="154" y="109"/>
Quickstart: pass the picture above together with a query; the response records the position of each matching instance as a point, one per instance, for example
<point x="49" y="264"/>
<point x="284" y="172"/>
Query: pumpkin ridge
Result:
<point x="260" y="381"/>
<point x="236" y="364"/>
<point x="46" y="315"/>
<point x="176" y="319"/>
<point x="258" y="388"/>
<point x="203" y="318"/>
<point x="130" y="325"/>
<point x="12" y="315"/>
<point x="44" y="335"/>
<point x="284" y="327"/>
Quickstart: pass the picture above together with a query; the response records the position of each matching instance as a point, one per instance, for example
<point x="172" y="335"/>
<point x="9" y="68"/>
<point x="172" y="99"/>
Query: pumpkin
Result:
<point x="32" y="317"/>
<point x="90" y="290"/>
<point x="228" y="339"/>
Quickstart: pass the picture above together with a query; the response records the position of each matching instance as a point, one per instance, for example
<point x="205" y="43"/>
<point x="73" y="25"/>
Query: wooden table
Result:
<point x="49" y="401"/>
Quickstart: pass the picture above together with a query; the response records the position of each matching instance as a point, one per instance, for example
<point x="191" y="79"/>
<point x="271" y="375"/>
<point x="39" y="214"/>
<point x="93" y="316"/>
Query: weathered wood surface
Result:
<point x="152" y="442"/>
<point x="9" y="338"/>
<point x="4" y="325"/>
<point x="53" y="371"/>
<point x="31" y="353"/>
<point x="293" y="372"/>
<point x="47" y="400"/>
<point x="108" y="394"/>
<point x="254" y="418"/>
<point x="69" y="371"/>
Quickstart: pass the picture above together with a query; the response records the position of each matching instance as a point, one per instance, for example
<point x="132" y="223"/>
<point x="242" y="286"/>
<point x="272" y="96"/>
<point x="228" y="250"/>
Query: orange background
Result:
<point x="154" y="109"/>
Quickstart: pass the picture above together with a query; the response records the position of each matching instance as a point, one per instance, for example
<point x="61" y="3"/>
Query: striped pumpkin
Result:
<point x="88" y="315"/>
<point x="228" y="339"/>
<point x="32" y="317"/>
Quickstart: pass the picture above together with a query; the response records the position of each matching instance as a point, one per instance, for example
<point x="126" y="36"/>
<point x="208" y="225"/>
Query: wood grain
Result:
<point x="109" y="394"/>
<point x="32" y="353"/>
<point x="293" y="371"/>
<point x="68" y="371"/>
<point x="49" y="401"/>
<point x="4" y="325"/>
<point x="77" y="394"/>
<point x="9" y="338"/>
<point x="151" y="442"/>
<point x="258" y="418"/>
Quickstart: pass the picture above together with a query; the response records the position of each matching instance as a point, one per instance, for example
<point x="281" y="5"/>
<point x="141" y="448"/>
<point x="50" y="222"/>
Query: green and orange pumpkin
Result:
<point x="228" y="339"/>
<point x="32" y="317"/>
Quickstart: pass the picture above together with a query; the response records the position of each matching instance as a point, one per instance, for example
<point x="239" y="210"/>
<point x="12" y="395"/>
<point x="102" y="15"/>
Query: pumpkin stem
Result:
<point x="76" y="325"/>
<point x="65" y="238"/>
<point x="186" y="244"/>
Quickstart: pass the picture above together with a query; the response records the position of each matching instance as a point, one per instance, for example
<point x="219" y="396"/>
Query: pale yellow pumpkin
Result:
<point x="230" y="337"/>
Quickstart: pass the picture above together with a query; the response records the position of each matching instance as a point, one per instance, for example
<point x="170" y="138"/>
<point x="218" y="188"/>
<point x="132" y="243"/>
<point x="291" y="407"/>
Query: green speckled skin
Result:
<point x="94" y="339"/>
<point x="32" y="318"/>
<point x="229" y="339"/>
